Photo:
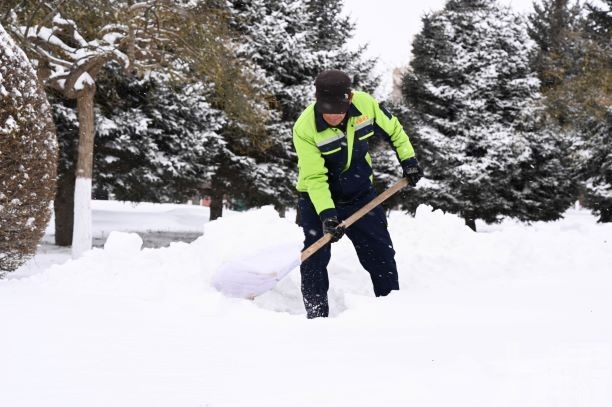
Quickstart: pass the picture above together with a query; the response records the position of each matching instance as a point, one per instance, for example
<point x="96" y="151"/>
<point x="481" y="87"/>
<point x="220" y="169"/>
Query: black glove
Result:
<point x="412" y="170"/>
<point x="332" y="226"/>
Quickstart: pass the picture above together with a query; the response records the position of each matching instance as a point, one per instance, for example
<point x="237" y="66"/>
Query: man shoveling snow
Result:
<point x="335" y="180"/>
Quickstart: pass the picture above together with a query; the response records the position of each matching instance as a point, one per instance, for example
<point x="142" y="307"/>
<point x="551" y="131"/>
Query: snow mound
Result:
<point x="433" y="249"/>
<point x="428" y="218"/>
<point x="123" y="244"/>
<point x="510" y="316"/>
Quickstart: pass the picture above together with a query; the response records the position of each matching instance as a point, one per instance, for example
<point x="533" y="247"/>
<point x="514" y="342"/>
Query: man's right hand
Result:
<point x="412" y="170"/>
<point x="333" y="227"/>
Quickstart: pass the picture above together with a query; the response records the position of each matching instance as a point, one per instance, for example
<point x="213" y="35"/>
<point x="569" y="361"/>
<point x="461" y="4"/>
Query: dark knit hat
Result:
<point x="333" y="92"/>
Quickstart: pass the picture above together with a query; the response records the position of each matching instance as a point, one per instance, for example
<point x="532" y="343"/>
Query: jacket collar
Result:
<point x="322" y="124"/>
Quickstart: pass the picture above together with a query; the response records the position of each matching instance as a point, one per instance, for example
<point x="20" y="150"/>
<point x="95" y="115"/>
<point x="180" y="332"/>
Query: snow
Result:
<point x="123" y="244"/>
<point x="9" y="125"/>
<point x="6" y="45"/>
<point x="48" y="35"/>
<point x="514" y="315"/>
<point x="145" y="217"/>
<point x="112" y="38"/>
<point x="84" y="80"/>
<point x="58" y="20"/>
<point x="64" y="58"/>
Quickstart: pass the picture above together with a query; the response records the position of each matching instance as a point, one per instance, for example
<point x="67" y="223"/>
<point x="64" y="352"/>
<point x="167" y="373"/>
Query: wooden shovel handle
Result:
<point x="355" y="217"/>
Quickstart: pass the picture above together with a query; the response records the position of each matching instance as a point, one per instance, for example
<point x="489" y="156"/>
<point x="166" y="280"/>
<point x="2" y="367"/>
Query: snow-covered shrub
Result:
<point x="28" y="157"/>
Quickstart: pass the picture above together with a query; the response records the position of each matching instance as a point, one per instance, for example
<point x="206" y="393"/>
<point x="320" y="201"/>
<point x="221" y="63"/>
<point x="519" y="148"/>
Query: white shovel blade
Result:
<point x="253" y="275"/>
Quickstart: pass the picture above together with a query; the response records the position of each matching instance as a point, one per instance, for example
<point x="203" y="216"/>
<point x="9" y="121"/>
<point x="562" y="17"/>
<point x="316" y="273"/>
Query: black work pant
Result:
<point x="372" y="243"/>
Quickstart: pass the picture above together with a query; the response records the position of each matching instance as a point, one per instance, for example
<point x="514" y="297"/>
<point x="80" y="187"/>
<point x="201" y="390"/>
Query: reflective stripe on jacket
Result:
<point x="335" y="166"/>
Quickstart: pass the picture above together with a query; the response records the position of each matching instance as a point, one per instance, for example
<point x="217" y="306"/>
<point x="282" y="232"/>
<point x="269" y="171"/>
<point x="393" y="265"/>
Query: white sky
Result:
<point x="388" y="26"/>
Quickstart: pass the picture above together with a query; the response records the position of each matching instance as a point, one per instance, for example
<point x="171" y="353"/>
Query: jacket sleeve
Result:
<point x="391" y="126"/>
<point x="311" y="167"/>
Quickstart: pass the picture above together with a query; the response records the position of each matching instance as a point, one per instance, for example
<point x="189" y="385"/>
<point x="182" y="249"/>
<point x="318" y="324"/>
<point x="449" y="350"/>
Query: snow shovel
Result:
<point x="254" y="275"/>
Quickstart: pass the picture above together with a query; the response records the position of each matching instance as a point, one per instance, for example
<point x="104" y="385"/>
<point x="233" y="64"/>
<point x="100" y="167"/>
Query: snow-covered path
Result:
<point x="511" y="316"/>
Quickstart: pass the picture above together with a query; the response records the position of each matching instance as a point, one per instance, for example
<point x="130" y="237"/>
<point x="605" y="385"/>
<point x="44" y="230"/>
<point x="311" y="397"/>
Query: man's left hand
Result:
<point x="412" y="170"/>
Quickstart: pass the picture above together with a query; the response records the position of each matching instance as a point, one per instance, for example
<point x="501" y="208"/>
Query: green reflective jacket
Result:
<point x="334" y="166"/>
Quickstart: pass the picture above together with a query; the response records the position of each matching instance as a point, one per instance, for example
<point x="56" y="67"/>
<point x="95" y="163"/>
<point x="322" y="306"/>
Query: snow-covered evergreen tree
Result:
<point x="574" y="55"/>
<point x="385" y="163"/>
<point x="154" y="138"/>
<point x="272" y="42"/>
<point x="184" y="39"/>
<point x="285" y="44"/>
<point x="28" y="157"/>
<point x="163" y="141"/>
<point x="596" y="169"/>
<point x="552" y="25"/>
<point x="330" y="32"/>
<point x="475" y="97"/>
<point x="557" y="28"/>
<point x="595" y="136"/>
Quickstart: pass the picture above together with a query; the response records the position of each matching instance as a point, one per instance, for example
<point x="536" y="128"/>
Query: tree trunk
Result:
<point x="216" y="201"/>
<point x="282" y="211"/>
<point x="82" y="234"/>
<point x="471" y="223"/>
<point x="63" y="207"/>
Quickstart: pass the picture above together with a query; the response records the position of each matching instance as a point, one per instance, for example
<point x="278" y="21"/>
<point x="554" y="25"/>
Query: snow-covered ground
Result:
<point x="514" y="315"/>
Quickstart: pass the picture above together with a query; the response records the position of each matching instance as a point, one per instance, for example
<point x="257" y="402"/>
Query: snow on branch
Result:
<point x="139" y="36"/>
<point x="66" y="60"/>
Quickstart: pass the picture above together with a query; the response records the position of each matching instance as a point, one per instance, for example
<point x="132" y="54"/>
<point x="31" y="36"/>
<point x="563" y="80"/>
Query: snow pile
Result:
<point x="123" y="244"/>
<point x="131" y="216"/>
<point x="510" y="316"/>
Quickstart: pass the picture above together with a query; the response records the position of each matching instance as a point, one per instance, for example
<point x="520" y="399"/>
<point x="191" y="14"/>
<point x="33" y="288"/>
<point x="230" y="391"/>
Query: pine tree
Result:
<point x="595" y="136"/>
<point x="599" y="22"/>
<point x="552" y="26"/>
<point x="387" y="170"/>
<point x="596" y="170"/>
<point x="163" y="141"/>
<point x="556" y="27"/>
<point x="475" y="96"/>
<point x="329" y="33"/>
<point x="574" y="56"/>
<point x="28" y="157"/>
<point x="154" y="138"/>
<point x="285" y="44"/>
<point x="275" y="50"/>
<point x="183" y="39"/>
